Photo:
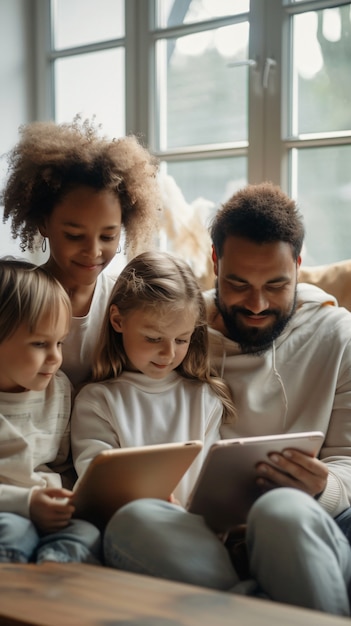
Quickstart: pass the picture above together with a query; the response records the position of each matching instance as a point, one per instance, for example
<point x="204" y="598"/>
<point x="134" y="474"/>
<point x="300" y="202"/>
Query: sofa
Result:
<point x="335" y="278"/>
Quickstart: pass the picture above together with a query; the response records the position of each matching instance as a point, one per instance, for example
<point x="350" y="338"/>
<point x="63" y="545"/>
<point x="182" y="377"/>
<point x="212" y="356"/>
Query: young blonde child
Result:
<point x="151" y="376"/>
<point x="35" y="404"/>
<point x="79" y="191"/>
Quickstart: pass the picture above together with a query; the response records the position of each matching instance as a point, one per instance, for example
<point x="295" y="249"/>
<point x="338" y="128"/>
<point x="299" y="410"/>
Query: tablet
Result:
<point x="226" y="486"/>
<point x="115" y="477"/>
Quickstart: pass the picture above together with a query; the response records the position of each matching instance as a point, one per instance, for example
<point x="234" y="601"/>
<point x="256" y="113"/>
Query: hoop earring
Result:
<point x="43" y="244"/>
<point x="119" y="249"/>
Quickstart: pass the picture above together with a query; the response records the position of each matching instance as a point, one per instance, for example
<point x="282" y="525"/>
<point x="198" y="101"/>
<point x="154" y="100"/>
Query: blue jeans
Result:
<point x="160" y="539"/>
<point x="297" y="553"/>
<point x="20" y="542"/>
<point x="344" y="522"/>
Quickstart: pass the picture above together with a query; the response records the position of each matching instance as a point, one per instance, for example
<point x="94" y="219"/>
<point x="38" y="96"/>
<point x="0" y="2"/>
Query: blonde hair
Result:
<point x="161" y="282"/>
<point x="52" y="159"/>
<point x="27" y="292"/>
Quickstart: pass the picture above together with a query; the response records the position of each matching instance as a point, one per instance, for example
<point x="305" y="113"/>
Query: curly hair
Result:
<point x="52" y="159"/>
<point x="262" y="213"/>
<point x="161" y="283"/>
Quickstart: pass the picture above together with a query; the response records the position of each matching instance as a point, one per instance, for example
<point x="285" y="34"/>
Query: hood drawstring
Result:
<point x="275" y="372"/>
<point x="224" y="356"/>
<point x="280" y="381"/>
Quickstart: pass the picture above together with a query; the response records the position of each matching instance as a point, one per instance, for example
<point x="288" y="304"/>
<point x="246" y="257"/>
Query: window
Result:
<point x="201" y="114"/>
<point x="319" y="127"/>
<point x="87" y="59"/>
<point x="223" y="92"/>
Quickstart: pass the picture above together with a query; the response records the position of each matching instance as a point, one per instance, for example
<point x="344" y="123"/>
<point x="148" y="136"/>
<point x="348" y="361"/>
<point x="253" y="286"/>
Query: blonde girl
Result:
<point x="79" y="192"/>
<point x="151" y="375"/>
<point x="35" y="405"/>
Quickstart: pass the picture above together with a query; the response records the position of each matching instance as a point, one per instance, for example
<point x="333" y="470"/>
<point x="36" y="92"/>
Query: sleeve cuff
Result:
<point x="334" y="499"/>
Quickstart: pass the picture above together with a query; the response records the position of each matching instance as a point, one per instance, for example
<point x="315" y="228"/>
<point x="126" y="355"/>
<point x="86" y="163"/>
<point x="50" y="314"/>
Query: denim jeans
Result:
<point x="344" y="522"/>
<point x="297" y="553"/>
<point x="160" y="539"/>
<point x="20" y="542"/>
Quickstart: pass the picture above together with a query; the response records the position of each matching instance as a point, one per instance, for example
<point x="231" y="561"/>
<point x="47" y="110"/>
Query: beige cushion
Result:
<point x="334" y="278"/>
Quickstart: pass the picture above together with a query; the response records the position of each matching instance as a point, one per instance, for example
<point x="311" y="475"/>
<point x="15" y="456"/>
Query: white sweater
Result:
<point x="302" y="383"/>
<point x="34" y="440"/>
<point x="79" y="345"/>
<point x="134" y="410"/>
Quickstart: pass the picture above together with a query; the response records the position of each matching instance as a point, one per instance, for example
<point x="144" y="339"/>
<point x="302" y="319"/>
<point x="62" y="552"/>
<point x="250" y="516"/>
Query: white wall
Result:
<point x="17" y="88"/>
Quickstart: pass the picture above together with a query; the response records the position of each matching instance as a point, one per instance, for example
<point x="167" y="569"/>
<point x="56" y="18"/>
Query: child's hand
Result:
<point x="51" y="509"/>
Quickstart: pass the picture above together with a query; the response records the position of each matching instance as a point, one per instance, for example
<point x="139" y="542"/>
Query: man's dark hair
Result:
<point x="261" y="213"/>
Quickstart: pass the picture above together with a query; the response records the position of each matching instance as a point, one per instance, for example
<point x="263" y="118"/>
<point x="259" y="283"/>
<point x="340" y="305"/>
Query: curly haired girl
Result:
<point x="78" y="190"/>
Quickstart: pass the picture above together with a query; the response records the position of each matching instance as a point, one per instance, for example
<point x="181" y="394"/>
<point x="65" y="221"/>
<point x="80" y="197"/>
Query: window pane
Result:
<point x="211" y="180"/>
<point x="79" y="22"/>
<point x="193" y="190"/>
<point x="175" y="12"/>
<point x="287" y="2"/>
<point x="203" y="99"/>
<point x="321" y="71"/>
<point x="324" y="196"/>
<point x="92" y="84"/>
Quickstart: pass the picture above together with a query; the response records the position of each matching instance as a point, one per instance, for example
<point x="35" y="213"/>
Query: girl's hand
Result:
<point x="293" y="469"/>
<point x="51" y="509"/>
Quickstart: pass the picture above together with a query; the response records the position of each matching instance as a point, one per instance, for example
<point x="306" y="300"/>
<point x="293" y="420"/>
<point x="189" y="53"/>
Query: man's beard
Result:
<point x="253" y="340"/>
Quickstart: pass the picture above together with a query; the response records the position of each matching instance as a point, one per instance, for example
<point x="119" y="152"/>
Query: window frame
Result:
<point x="270" y="147"/>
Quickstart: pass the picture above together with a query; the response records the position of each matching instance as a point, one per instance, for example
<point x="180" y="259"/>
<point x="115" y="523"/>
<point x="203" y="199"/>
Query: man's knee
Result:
<point x="145" y="513"/>
<point x="283" y="506"/>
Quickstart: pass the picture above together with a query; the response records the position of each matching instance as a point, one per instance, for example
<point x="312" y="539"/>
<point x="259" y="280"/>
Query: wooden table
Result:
<point x="73" y="594"/>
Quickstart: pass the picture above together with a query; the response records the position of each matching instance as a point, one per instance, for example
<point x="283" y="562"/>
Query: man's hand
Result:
<point x="293" y="469"/>
<point x="51" y="509"/>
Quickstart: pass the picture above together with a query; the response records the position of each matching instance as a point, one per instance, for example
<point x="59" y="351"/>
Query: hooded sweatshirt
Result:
<point x="301" y="383"/>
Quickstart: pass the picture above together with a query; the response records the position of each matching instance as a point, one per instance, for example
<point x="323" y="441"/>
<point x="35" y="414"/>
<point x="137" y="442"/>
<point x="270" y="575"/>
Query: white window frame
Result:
<point x="269" y="147"/>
